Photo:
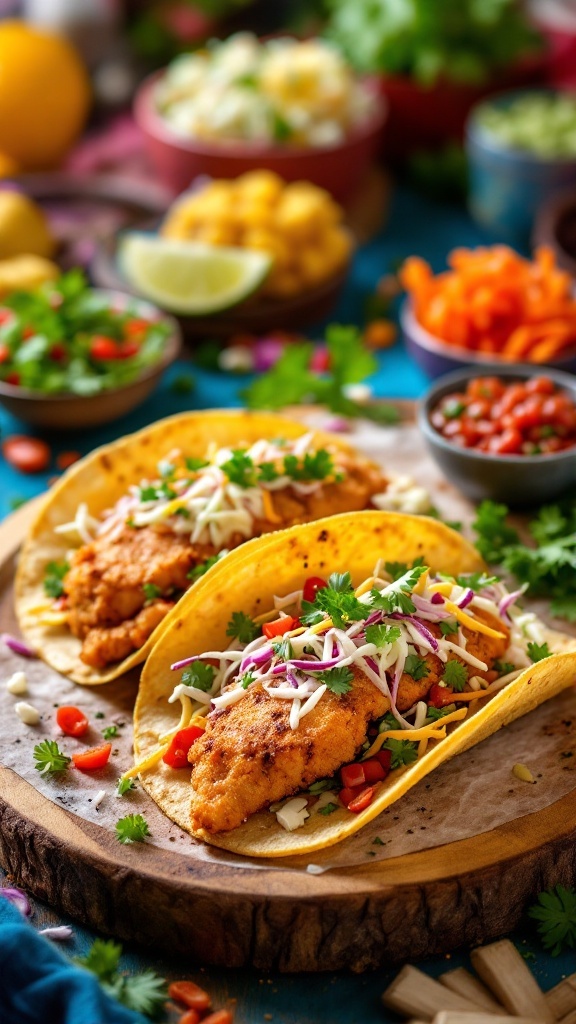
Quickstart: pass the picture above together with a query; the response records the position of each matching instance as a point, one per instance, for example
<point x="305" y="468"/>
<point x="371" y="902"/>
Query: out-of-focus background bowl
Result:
<point x="435" y="357"/>
<point x="177" y="160"/>
<point x="555" y="226"/>
<point x="517" y="480"/>
<point x="67" y="411"/>
<point x="508" y="186"/>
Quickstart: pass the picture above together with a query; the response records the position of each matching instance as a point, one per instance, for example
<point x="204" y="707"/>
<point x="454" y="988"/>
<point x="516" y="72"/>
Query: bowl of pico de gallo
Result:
<point x="508" y="434"/>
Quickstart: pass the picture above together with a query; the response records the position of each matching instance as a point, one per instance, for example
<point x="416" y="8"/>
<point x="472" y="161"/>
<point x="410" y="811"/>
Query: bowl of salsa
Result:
<point x="72" y="356"/>
<point x="508" y="434"/>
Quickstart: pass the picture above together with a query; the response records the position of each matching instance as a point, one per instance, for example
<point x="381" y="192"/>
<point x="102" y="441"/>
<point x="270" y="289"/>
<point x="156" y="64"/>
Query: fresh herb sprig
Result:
<point x="49" y="758"/>
<point x="132" y="829"/>
<point x="556" y="913"/>
<point x="54" y="578"/>
<point x="145" y="993"/>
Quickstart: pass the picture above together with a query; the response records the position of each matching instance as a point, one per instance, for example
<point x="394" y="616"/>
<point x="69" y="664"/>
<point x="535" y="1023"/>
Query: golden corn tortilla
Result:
<point x="100" y="480"/>
<point x="247" y="581"/>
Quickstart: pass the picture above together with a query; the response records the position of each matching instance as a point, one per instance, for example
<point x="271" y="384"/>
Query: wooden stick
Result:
<point x="416" y="994"/>
<point x="562" y="998"/>
<point x="481" y="1018"/>
<point x="460" y="980"/>
<point x="505" y="973"/>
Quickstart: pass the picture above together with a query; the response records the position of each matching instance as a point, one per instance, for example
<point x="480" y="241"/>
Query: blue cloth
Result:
<point x="38" y="984"/>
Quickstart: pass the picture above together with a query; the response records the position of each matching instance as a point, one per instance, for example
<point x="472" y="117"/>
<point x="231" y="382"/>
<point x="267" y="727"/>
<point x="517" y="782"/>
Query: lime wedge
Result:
<point x="191" y="277"/>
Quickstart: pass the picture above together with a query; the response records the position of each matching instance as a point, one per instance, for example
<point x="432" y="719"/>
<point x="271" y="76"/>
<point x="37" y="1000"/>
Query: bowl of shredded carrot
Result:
<point x="492" y="305"/>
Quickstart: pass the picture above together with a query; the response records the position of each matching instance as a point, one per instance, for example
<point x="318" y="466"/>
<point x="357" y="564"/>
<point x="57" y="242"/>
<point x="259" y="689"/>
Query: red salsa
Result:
<point x="532" y="417"/>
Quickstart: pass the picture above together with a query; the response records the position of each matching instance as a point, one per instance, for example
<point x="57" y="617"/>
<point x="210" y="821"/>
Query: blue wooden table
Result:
<point x="415" y="225"/>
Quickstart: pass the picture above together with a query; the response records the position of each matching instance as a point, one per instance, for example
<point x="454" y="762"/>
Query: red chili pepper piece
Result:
<point x="440" y="696"/>
<point x="279" y="627"/>
<point x="312" y="586"/>
<point x="373" y="770"/>
<point x="352" y="775"/>
<point x="136" y="328"/>
<point x="177" y="754"/>
<point x="348" y="794"/>
<point x="190" y="1017"/>
<point x="104" y="348"/>
<point x="71" y="720"/>
<point x="66" y="459"/>
<point x="189" y="993"/>
<point x="385" y="758"/>
<point x="90" y="760"/>
<point x="361" y="802"/>
<point x="219" y="1017"/>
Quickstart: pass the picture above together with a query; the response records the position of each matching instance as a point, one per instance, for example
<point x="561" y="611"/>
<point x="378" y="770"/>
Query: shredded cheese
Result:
<point x="269" y="510"/>
<point x="474" y="624"/>
<point x="434" y="731"/>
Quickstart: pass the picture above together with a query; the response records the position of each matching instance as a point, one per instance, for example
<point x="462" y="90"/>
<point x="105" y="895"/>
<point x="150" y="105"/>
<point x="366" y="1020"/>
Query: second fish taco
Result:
<point x="130" y="528"/>
<point x="317" y="675"/>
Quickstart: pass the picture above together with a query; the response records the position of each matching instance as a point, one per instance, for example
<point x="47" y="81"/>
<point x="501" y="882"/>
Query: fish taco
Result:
<point x="131" y="527"/>
<point x="318" y="674"/>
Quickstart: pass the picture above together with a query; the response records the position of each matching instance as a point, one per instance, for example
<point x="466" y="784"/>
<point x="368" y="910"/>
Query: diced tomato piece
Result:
<point x="13" y="378"/>
<point x="90" y="760"/>
<point x="5" y="315"/>
<point x="219" y="1017"/>
<point x="352" y="775"/>
<point x="177" y="754"/>
<point x="540" y="386"/>
<point x="104" y="348"/>
<point x="61" y="603"/>
<point x="507" y="443"/>
<point x="361" y="802"/>
<point x="511" y="398"/>
<point x="128" y="349"/>
<point x="190" y="1017"/>
<point x="71" y="720"/>
<point x="385" y="758"/>
<point x="440" y="696"/>
<point x="479" y="409"/>
<point x="485" y="387"/>
<point x="347" y="794"/>
<point x="320" y="362"/>
<point x="58" y="353"/>
<point x="66" y="459"/>
<point x="4" y="353"/>
<point x="279" y="626"/>
<point x="28" y="454"/>
<point x="373" y="770"/>
<point x="28" y="332"/>
<point x="312" y="586"/>
<point x="190" y="994"/>
<point x="528" y="413"/>
<point x="136" y="328"/>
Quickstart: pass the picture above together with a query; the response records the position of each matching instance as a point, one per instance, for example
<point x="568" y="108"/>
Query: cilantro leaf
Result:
<point x="398" y="569"/>
<point x="328" y="809"/>
<point x="382" y="634"/>
<point x="494" y="534"/>
<point x="404" y="752"/>
<point x="455" y="676"/>
<point x="475" y="580"/>
<point x="110" y="732"/>
<point x="322" y="785"/>
<point x="556" y="913"/>
<point x="388" y="722"/>
<point x="267" y="472"/>
<point x="317" y="465"/>
<point x="242" y="627"/>
<point x="537" y="652"/>
<point x="447" y="627"/>
<point x="124" y="786"/>
<point x="195" y="464"/>
<point x="240" y="469"/>
<point x="145" y="993"/>
<point x="310" y="614"/>
<point x="148" y="493"/>
<point x="283" y="649"/>
<point x="504" y="667"/>
<point x="247" y="679"/>
<point x="53" y="578"/>
<point x="416" y="667"/>
<point x="49" y="758"/>
<point x="200" y="675"/>
<point x="396" y="597"/>
<point x="151" y="591"/>
<point x="339" y="601"/>
<point x="338" y="680"/>
<point x="103" y="959"/>
<point x="341" y="582"/>
<point x="202" y="568"/>
<point x="434" y="714"/>
<point x="132" y="829"/>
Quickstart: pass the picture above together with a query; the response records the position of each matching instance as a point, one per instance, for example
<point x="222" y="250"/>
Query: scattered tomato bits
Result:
<point x="199" y="1003"/>
<point x="28" y="454"/>
<point x="66" y="459"/>
<point x="92" y="759"/>
<point x="532" y="417"/>
<point x="71" y="720"/>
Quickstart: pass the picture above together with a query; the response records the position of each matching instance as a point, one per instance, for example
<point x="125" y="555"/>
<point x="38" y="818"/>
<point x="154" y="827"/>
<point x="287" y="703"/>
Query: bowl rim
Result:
<point x="522" y="371"/>
<point x="149" y="120"/>
<point x="548" y="218"/>
<point x="478" y="135"/>
<point x="170" y="353"/>
<point x="421" y="336"/>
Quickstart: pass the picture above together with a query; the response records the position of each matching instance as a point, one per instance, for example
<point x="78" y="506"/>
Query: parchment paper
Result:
<point x="469" y="795"/>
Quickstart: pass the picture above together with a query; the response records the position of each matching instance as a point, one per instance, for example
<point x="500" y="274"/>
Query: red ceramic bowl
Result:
<point x="177" y="160"/>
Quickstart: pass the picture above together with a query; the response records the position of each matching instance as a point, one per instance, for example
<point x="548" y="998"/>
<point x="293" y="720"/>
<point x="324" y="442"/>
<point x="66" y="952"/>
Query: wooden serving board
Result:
<point x="407" y="907"/>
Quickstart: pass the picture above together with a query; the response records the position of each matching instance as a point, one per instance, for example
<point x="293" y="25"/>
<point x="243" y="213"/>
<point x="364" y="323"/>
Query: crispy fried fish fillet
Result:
<point x="249" y="756"/>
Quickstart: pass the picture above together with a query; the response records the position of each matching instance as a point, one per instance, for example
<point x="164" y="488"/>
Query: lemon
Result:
<point x="191" y="277"/>
<point x="23" y="227"/>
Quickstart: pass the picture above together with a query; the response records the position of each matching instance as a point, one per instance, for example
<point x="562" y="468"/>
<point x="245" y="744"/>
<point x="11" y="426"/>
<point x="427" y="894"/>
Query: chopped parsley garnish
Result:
<point x="199" y="570"/>
<point x="125" y="786"/>
<point x="556" y="913"/>
<point x="148" y="493"/>
<point x="144" y="993"/>
<point x="110" y="732"/>
<point x="381" y="634"/>
<point x="537" y="652"/>
<point x="165" y="491"/>
<point x="200" y="675"/>
<point x="322" y="786"/>
<point x="337" y="600"/>
<point x="132" y="829"/>
<point x="49" y="758"/>
<point x="338" y="680"/>
<point x="242" y="627"/>
<point x="151" y="591"/>
<point x="447" y="628"/>
<point x="416" y="667"/>
<point x="452" y="410"/>
<point x="54" y="578"/>
<point x="247" y="679"/>
<point x="283" y="649"/>
<point x="267" y="472"/>
<point x="195" y="464"/>
<point x="388" y="722"/>
<point x="328" y="808"/>
<point x="455" y="676"/>
<point x="433" y="714"/>
<point x="504" y="667"/>
<point x="397" y="598"/>
<point x="398" y="569"/>
<point x="240" y="469"/>
<point x="403" y="752"/>
<point x="476" y="580"/>
<point x="377" y="841"/>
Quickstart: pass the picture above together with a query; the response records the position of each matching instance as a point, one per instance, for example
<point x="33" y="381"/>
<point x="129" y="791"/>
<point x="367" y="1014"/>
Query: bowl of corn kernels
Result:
<point x="298" y="227"/>
<point x="292" y="106"/>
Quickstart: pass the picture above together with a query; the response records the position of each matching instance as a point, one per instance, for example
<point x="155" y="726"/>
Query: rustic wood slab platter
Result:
<point x="407" y="907"/>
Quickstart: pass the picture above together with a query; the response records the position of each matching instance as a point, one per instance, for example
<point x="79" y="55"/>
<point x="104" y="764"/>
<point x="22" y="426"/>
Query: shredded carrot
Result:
<point x="495" y="301"/>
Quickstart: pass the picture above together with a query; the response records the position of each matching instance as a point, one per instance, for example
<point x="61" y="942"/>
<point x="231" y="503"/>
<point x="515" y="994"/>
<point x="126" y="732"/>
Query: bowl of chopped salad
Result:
<point x="72" y="356"/>
<point x="289" y="106"/>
